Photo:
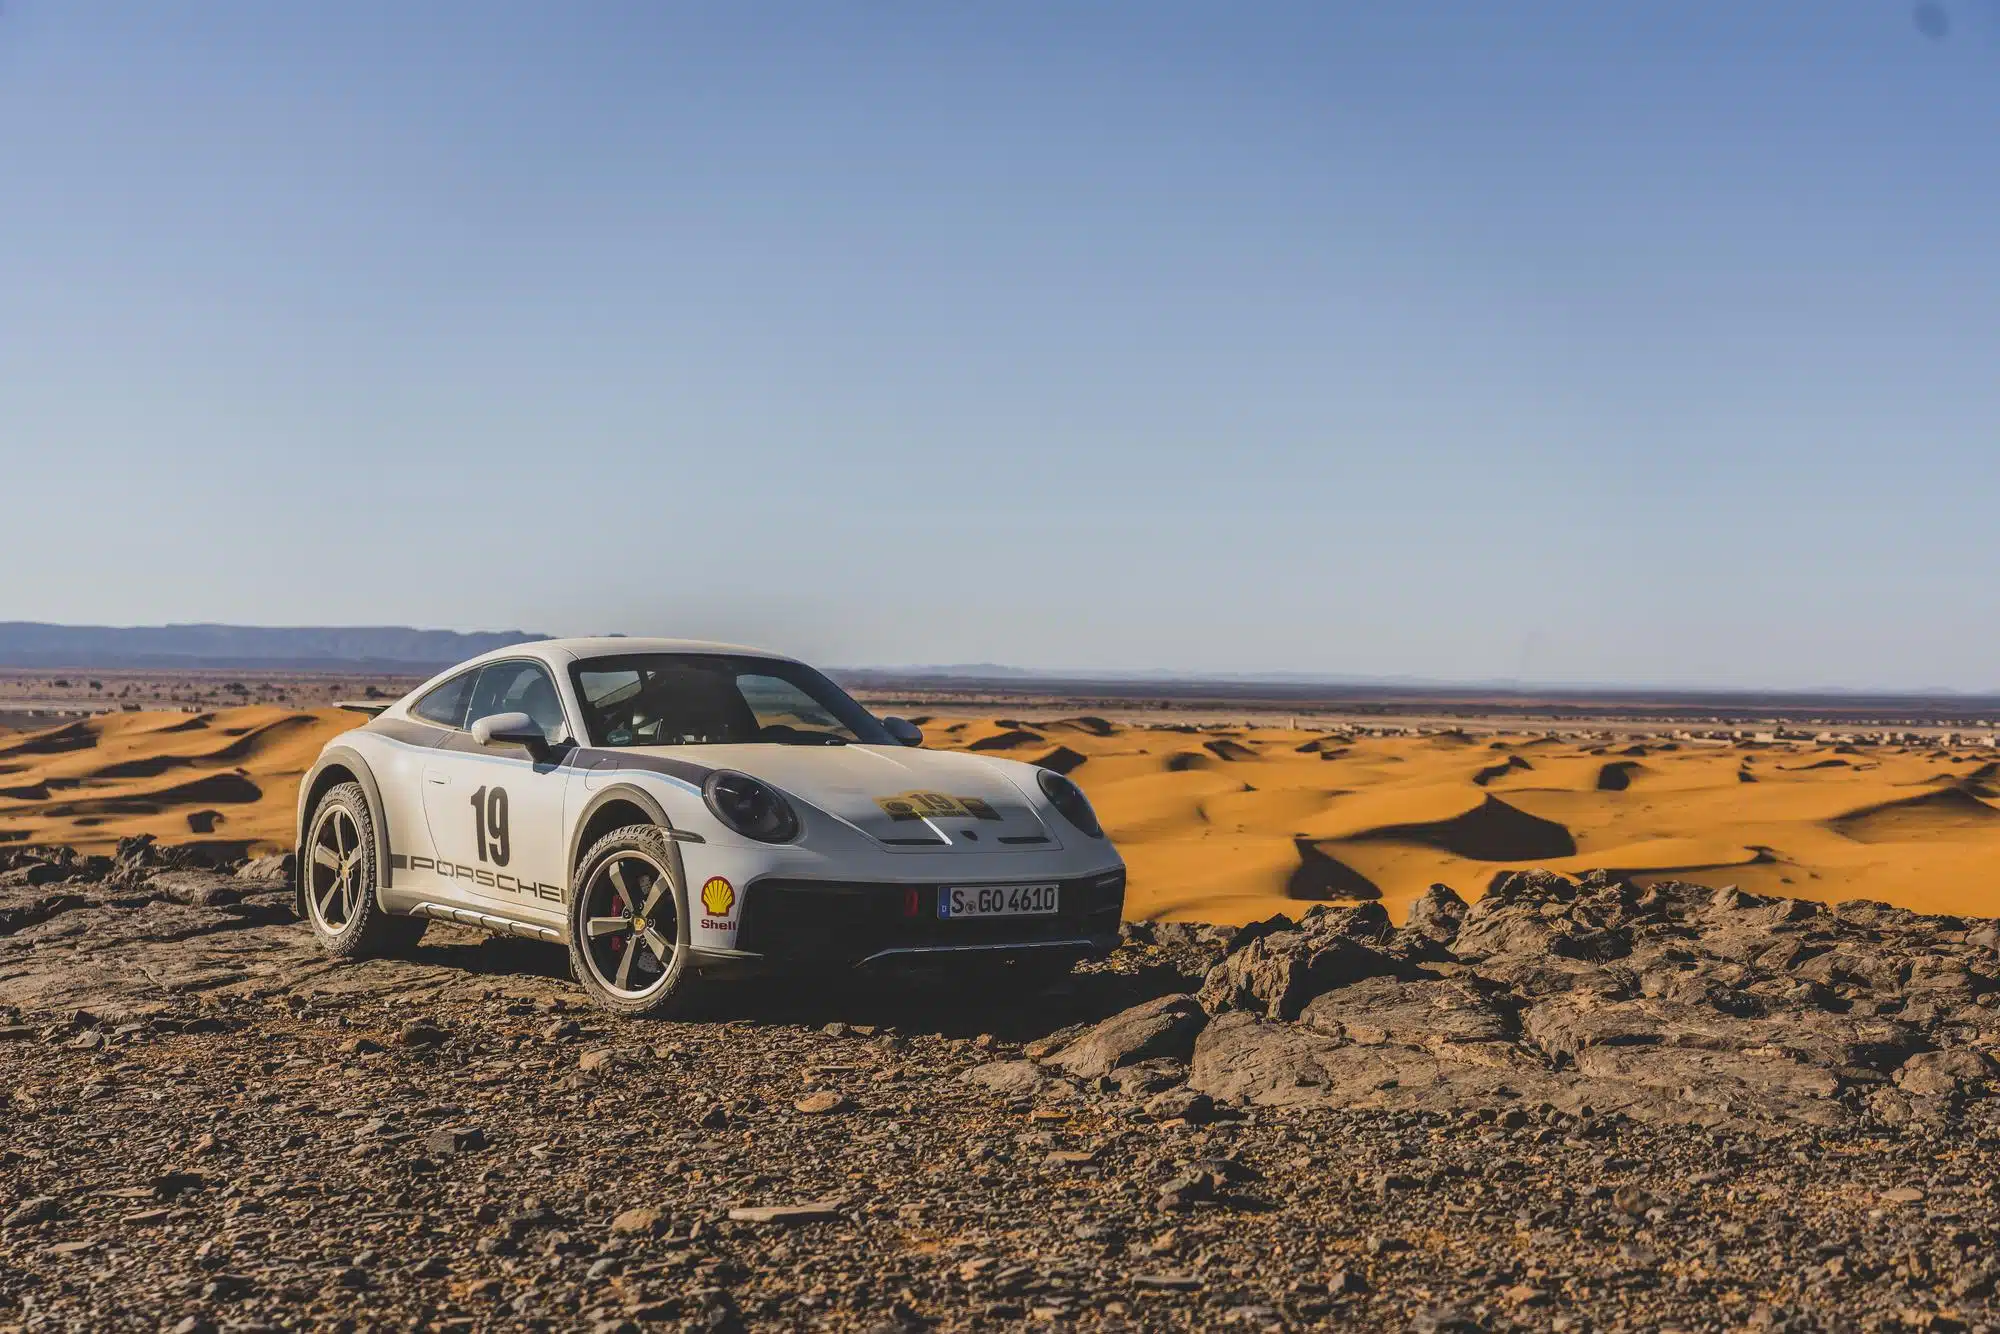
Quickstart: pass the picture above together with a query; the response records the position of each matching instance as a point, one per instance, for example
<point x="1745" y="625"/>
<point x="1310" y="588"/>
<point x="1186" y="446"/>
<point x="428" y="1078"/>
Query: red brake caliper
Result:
<point x="617" y="910"/>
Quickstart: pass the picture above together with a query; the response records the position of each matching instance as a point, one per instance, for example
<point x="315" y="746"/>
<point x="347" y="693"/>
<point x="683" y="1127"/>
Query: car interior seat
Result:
<point x="539" y="701"/>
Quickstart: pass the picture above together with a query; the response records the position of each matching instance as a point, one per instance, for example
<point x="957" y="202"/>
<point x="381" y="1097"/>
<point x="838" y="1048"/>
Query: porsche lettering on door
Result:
<point x="476" y="875"/>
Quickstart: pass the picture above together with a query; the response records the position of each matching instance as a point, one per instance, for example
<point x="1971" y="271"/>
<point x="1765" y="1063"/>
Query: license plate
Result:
<point x="998" y="901"/>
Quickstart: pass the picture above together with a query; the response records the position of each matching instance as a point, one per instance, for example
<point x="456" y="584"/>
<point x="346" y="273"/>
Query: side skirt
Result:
<point x="505" y="926"/>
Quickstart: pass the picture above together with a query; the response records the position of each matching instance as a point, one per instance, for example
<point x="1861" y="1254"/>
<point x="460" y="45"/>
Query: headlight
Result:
<point x="1068" y="798"/>
<point x="751" y="807"/>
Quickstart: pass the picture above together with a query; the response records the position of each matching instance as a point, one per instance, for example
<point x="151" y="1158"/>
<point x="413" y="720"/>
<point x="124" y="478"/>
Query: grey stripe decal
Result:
<point x="462" y="743"/>
<point x="603" y="758"/>
<point x="432" y="737"/>
<point x="407" y="731"/>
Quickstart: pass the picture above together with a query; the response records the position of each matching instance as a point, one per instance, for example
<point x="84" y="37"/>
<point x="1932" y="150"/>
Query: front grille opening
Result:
<point x="842" y="921"/>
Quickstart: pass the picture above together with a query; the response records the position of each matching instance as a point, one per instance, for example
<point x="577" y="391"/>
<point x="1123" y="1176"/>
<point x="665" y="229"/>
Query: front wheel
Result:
<point x="628" y="930"/>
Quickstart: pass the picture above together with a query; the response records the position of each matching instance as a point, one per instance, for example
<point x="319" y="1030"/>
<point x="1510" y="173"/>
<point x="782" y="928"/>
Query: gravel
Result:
<point x="211" y="1126"/>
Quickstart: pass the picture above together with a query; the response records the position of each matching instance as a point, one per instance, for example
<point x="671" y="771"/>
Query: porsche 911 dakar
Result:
<point x="668" y="809"/>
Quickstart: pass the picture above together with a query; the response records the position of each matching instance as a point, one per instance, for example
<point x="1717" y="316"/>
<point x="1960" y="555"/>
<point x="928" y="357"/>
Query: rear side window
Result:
<point x="446" y="704"/>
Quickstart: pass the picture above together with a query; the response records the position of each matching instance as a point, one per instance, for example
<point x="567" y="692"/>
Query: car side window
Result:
<point x="446" y="703"/>
<point x="608" y="700"/>
<point x="518" y="687"/>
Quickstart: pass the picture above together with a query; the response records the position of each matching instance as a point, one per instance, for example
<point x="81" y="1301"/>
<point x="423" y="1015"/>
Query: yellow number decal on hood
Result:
<point x="936" y="806"/>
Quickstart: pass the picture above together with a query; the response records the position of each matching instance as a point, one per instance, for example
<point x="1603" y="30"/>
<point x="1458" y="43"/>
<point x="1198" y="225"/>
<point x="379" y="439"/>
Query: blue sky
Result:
<point x="1644" y="342"/>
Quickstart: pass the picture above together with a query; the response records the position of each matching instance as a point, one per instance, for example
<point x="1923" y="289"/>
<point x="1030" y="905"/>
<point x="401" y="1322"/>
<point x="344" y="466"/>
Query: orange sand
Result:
<point x="228" y="777"/>
<point x="1225" y="825"/>
<point x="1231" y="825"/>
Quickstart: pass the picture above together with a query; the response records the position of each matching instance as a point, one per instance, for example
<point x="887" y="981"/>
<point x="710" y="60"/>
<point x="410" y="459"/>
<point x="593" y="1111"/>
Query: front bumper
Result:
<point x="790" y="921"/>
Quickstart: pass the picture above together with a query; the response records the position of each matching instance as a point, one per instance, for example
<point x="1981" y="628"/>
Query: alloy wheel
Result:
<point x="334" y="886"/>
<point x="630" y="924"/>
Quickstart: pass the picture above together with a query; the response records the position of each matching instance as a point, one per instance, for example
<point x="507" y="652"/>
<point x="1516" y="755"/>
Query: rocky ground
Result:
<point x="1570" y="1107"/>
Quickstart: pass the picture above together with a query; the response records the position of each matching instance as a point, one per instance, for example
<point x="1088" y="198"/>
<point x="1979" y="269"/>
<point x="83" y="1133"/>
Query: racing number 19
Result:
<point x="489" y="824"/>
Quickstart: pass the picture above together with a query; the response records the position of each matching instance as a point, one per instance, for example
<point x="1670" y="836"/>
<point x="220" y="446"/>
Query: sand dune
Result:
<point x="1012" y="739"/>
<point x="1227" y="824"/>
<point x="1941" y="813"/>
<point x="227" y="778"/>
<point x="1062" y="759"/>
<point x="1087" y="724"/>
<point x="1236" y="824"/>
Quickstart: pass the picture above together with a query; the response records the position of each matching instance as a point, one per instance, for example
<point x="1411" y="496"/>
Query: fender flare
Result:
<point x="646" y="801"/>
<point x="350" y="759"/>
<point x="630" y="792"/>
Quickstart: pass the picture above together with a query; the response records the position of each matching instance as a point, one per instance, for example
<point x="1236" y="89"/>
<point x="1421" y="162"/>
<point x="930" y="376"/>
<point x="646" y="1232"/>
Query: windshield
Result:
<point x="714" y="699"/>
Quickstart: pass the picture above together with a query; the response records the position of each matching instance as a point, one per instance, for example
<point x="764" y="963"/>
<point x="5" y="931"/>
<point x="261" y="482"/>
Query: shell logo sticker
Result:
<point x="718" y="896"/>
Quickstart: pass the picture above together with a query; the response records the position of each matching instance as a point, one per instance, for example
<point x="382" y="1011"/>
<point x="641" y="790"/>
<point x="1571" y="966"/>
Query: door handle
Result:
<point x="438" y="776"/>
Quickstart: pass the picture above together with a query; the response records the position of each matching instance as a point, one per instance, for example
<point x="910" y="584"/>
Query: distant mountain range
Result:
<point x="993" y="671"/>
<point x="402" y="650"/>
<point x="1330" y="687"/>
<point x="372" y="648"/>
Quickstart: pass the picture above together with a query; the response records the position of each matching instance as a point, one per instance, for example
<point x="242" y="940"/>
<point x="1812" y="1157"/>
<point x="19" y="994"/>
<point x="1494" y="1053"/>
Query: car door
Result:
<point x="496" y="812"/>
<point x="409" y="752"/>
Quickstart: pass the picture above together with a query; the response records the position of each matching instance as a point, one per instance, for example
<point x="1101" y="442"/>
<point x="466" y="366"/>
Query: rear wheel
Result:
<point x="628" y="937"/>
<point x="341" y="876"/>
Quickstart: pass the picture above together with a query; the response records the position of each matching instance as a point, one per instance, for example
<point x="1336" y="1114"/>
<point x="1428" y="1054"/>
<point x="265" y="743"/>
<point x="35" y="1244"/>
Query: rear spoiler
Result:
<point x="371" y="707"/>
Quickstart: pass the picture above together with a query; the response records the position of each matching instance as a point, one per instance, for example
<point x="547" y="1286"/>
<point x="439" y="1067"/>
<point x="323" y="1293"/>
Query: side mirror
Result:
<point x="904" y="731"/>
<point x="511" y="729"/>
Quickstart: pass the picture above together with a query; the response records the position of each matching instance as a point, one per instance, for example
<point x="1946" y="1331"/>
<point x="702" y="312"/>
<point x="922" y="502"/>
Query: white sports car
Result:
<point x="667" y="808"/>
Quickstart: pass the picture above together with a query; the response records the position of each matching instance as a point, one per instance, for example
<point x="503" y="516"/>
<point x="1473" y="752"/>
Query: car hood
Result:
<point x="899" y="796"/>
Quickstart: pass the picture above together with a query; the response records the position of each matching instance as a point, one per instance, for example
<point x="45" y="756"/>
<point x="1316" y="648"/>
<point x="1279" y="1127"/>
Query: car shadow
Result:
<point x="477" y="954"/>
<point x="949" y="1007"/>
<point x="940" y="1002"/>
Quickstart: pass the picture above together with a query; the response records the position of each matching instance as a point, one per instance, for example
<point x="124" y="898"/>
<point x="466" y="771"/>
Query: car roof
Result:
<point x="559" y="652"/>
<point x="619" y="646"/>
<point x="611" y="647"/>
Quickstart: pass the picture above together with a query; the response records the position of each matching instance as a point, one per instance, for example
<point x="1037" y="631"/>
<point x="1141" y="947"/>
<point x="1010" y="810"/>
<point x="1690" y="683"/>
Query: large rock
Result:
<point x="1241" y="1058"/>
<point x="1671" y="1002"/>
<point x="1526" y="978"/>
<point x="199" y="889"/>
<point x="1276" y="975"/>
<point x="1531" y="914"/>
<point x="1566" y="1027"/>
<point x="275" y="868"/>
<point x="1430" y="1014"/>
<point x="1438" y="913"/>
<point x="1859" y="966"/>
<point x="1667" y="1059"/>
<point x="1703" y="1087"/>
<point x="21" y="908"/>
<point x="1162" y="1028"/>
<point x="1368" y="922"/>
<point x="1011" y="1079"/>
<point x="1944" y="1074"/>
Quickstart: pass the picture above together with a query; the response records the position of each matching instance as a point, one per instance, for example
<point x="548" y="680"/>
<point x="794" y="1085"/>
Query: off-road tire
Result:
<point x="349" y="922"/>
<point x="591" y="958"/>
